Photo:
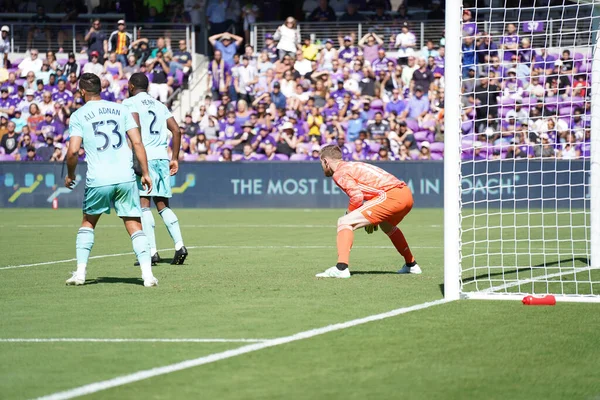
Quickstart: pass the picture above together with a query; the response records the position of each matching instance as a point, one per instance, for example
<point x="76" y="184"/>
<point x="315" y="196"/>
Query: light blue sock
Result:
<point x="141" y="248"/>
<point x="148" y="227"/>
<point x="172" y="224"/>
<point x="83" y="247"/>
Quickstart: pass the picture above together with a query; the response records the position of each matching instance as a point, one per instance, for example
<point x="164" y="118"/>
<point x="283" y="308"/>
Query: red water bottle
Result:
<point x="55" y="203"/>
<point x="547" y="300"/>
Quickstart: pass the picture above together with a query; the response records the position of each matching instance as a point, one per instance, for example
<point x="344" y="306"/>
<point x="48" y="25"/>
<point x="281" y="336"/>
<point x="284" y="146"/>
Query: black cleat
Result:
<point x="180" y="256"/>
<point x="155" y="260"/>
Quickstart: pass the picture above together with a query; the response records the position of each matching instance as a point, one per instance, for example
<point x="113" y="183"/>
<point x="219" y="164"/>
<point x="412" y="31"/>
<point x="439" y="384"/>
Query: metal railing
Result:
<point x="26" y="35"/>
<point x="564" y="33"/>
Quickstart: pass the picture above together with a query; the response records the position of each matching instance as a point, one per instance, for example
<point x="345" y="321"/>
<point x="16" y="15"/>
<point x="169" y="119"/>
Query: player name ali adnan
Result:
<point x="102" y="111"/>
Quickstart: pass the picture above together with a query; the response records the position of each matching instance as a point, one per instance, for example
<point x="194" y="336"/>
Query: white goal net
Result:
<point x="522" y="121"/>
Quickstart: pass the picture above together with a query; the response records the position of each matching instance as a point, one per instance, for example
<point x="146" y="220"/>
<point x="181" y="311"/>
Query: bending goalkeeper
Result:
<point x="377" y="199"/>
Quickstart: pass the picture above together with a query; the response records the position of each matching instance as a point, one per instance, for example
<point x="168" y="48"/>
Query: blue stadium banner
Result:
<point x="302" y="185"/>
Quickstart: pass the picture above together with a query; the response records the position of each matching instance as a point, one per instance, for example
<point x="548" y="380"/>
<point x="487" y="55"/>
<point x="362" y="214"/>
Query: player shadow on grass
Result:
<point x="112" y="279"/>
<point x="374" y="273"/>
<point x="572" y="261"/>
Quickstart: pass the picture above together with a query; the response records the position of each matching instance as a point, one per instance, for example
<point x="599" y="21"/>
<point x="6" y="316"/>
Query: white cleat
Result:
<point x="333" y="272"/>
<point x="151" y="282"/>
<point x="76" y="280"/>
<point x="415" y="269"/>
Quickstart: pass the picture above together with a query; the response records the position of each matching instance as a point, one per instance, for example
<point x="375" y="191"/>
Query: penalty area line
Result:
<point x="194" y="362"/>
<point x="128" y="340"/>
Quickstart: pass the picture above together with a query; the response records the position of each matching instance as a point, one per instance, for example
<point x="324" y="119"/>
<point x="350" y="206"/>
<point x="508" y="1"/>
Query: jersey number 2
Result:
<point x="115" y="131"/>
<point x="152" y="131"/>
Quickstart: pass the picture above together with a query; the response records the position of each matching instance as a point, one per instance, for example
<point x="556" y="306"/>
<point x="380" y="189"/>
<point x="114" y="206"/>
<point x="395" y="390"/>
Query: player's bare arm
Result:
<point x="72" y="159"/>
<point x="138" y="148"/>
<point x="174" y="128"/>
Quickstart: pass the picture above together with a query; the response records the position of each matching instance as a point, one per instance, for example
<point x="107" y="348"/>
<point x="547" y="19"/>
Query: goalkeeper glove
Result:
<point x="371" y="228"/>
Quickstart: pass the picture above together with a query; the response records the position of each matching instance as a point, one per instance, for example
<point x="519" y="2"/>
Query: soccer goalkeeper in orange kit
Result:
<point x="377" y="199"/>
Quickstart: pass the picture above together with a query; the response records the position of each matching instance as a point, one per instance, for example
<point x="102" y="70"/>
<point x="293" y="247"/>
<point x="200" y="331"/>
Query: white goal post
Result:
<point x="522" y="150"/>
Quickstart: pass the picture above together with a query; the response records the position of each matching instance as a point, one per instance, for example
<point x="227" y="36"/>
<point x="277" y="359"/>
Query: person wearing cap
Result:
<point x="7" y="105"/>
<point x="405" y="43"/>
<point x="286" y="139"/>
<point x="309" y="49"/>
<point x="19" y="121"/>
<point x="94" y="66"/>
<point x="119" y="42"/>
<point x="190" y="128"/>
<point x="469" y="27"/>
<point x="326" y="56"/>
<point x="262" y="139"/>
<point x="511" y="86"/>
<point x="347" y="50"/>
<point x="96" y="41"/>
<point x="418" y="105"/>
<point x="246" y="137"/>
<point x="271" y="48"/>
<point x="228" y="44"/>
<point x="323" y="13"/>
<point x="72" y="66"/>
<point x="352" y="14"/>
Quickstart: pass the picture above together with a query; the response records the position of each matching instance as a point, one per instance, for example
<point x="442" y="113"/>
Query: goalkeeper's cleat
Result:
<point x="334" y="272"/>
<point x="180" y="256"/>
<point x="76" y="279"/>
<point x="155" y="260"/>
<point x="151" y="282"/>
<point x="412" y="268"/>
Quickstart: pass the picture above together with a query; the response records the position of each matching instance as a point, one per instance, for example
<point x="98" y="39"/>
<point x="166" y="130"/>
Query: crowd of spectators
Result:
<point x="382" y="98"/>
<point x="38" y="94"/>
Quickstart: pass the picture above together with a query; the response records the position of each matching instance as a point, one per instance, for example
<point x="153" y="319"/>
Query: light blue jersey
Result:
<point x="103" y="125"/>
<point x="153" y="120"/>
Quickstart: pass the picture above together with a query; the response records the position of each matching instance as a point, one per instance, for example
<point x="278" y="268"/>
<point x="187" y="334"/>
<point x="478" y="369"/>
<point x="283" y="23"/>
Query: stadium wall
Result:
<point x="302" y="185"/>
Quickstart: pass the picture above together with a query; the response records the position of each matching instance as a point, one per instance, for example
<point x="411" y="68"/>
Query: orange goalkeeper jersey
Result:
<point x="362" y="182"/>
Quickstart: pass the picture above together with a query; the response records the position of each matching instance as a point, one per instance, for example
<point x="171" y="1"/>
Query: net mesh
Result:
<point x="526" y="113"/>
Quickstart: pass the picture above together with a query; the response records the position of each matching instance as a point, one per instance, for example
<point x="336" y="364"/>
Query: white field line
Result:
<point x="541" y="278"/>
<point x="167" y="369"/>
<point x="92" y="340"/>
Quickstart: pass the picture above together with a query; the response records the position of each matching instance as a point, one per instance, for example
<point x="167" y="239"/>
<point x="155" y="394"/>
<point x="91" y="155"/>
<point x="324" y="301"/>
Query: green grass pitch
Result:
<point x="246" y="280"/>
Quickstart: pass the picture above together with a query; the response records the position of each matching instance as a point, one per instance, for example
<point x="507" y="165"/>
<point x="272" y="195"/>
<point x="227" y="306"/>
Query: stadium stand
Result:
<point x="372" y="82"/>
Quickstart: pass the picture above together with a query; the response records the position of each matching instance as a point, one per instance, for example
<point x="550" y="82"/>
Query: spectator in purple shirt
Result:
<point x="62" y="94"/>
<point x="526" y="53"/>
<point x="417" y="106"/>
<point x="230" y="128"/>
<point x="347" y="50"/>
<point x="220" y="73"/>
<point x="360" y="152"/>
<point x="396" y="104"/>
<point x="11" y="83"/>
<point x="31" y="156"/>
<point x="338" y="94"/>
<point x="331" y="108"/>
<point x="7" y="105"/>
<point x="510" y="42"/>
<point x="50" y="127"/>
<point x="544" y="62"/>
<point x="380" y="63"/>
<point x="469" y="27"/>
<point x="106" y="93"/>
<point x="263" y="139"/>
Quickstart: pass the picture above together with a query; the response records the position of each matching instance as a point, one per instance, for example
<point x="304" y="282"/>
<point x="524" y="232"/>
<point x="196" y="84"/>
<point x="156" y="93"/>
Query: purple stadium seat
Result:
<point x="82" y="62"/>
<point x="19" y="81"/>
<point x="565" y="111"/>
<point x="467" y="127"/>
<point x="299" y="157"/>
<point x="507" y="101"/>
<point x="6" y="157"/>
<point x="260" y="157"/>
<point x="190" y="157"/>
<point x="17" y="61"/>
<point x="62" y="61"/>
<point x="374" y="148"/>
<point x="414" y="156"/>
<point x="412" y="124"/>
<point x="236" y="157"/>
<point x="421" y="135"/>
<point x="213" y="157"/>
<point x="437" y="156"/>
<point x="281" y="157"/>
<point x="437" y="147"/>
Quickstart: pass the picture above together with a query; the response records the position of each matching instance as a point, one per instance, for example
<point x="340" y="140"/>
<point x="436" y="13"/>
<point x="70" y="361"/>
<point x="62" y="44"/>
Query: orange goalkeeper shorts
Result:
<point x="391" y="206"/>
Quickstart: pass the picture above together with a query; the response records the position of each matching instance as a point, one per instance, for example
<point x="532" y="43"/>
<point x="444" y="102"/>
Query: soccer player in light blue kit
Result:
<point x="155" y="121"/>
<point x="102" y="127"/>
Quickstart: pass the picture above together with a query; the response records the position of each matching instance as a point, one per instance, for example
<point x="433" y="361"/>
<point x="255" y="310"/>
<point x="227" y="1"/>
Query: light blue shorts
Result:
<point x="124" y="196"/>
<point x="161" y="179"/>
